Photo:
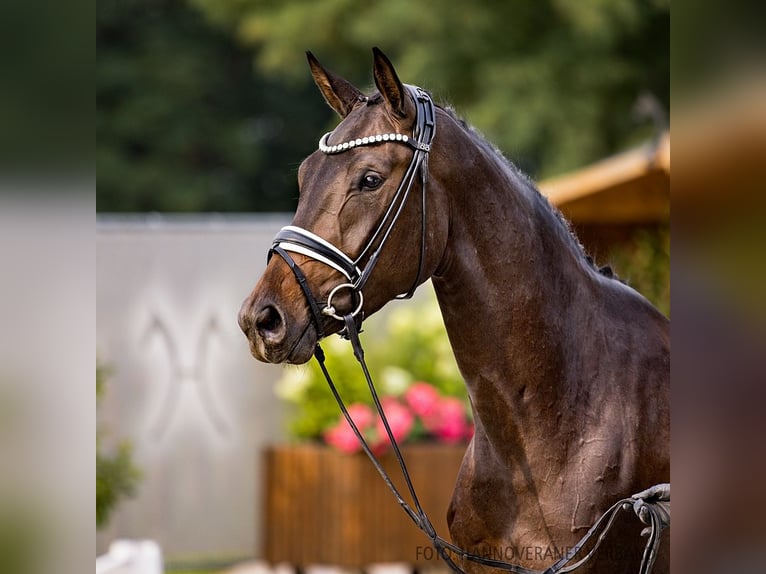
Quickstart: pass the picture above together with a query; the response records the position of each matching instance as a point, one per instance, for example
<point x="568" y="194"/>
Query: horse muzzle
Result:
<point x="274" y="333"/>
<point x="281" y="318"/>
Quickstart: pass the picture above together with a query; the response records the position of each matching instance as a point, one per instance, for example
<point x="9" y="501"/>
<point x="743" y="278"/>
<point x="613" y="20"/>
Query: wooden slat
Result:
<point x="324" y="507"/>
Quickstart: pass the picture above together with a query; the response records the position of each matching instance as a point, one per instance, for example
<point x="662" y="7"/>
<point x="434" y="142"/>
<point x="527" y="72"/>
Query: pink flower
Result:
<point x="399" y="417"/>
<point x="342" y="436"/>
<point x="448" y="421"/>
<point x="453" y="424"/>
<point x="362" y="415"/>
<point x="422" y="398"/>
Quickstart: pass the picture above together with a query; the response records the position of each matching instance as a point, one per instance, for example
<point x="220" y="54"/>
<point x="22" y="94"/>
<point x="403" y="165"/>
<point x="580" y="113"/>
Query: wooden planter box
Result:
<point x="326" y="507"/>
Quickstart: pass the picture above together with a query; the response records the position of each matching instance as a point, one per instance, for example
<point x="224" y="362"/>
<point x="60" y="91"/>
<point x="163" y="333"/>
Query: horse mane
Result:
<point x="564" y="225"/>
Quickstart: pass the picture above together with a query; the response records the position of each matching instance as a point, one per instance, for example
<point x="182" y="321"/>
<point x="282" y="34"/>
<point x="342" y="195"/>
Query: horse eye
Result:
<point x="371" y="181"/>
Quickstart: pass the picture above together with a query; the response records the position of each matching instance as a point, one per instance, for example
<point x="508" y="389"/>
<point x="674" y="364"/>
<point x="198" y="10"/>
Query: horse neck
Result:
<point x="512" y="288"/>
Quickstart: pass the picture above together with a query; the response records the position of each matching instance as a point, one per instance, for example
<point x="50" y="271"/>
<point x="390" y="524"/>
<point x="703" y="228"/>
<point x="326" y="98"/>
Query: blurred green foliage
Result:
<point x="644" y="264"/>
<point x="186" y="122"/>
<point x="551" y="83"/>
<point x="410" y="336"/>
<point x="46" y="110"/>
<point x="24" y="537"/>
<point x="116" y="475"/>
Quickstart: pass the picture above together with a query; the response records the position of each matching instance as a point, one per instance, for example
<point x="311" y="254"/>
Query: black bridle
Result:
<point x="298" y="240"/>
<point x="293" y="239"/>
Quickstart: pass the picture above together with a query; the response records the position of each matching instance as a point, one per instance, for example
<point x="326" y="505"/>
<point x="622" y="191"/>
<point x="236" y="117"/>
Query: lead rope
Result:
<point x="420" y="518"/>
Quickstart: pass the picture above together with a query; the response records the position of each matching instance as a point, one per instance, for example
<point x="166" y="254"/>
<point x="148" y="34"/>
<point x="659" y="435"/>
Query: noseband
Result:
<point x="294" y="239"/>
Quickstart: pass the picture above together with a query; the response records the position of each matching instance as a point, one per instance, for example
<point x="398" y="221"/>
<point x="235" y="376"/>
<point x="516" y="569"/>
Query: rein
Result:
<point x="293" y="239"/>
<point x="647" y="506"/>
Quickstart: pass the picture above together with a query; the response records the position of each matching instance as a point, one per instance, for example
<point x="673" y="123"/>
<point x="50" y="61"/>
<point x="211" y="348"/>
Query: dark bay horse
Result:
<point x="567" y="368"/>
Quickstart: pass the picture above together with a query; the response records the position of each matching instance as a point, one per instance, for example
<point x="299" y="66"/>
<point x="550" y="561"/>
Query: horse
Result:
<point x="566" y="366"/>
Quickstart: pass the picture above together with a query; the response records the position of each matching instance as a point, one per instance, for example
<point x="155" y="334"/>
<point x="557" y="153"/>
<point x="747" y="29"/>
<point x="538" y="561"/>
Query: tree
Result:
<point x="551" y="83"/>
<point x="185" y="123"/>
<point x="209" y="106"/>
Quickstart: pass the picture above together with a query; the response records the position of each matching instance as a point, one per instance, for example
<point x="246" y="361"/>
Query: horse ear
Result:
<point x="388" y="83"/>
<point x="340" y="94"/>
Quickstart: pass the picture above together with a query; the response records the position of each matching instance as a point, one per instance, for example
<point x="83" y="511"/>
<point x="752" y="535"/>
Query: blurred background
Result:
<point x="208" y="105"/>
<point x="205" y="109"/>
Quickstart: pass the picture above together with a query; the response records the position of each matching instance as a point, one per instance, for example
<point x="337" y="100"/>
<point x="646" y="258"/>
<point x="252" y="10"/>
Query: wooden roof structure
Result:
<point x="632" y="187"/>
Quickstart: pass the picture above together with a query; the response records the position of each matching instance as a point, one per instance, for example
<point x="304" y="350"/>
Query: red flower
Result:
<point x="342" y="436"/>
<point x="448" y="421"/>
<point x="422" y="398"/>
<point x="362" y="415"/>
<point x="399" y="417"/>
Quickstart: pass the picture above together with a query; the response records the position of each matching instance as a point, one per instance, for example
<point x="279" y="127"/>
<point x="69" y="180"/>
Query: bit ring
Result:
<point x="330" y="311"/>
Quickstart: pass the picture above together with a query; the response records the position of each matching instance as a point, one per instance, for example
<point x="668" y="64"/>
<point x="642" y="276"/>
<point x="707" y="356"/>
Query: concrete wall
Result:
<point x="183" y="386"/>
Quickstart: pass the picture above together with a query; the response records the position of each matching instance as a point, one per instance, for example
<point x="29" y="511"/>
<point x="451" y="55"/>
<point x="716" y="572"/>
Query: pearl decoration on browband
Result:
<point x="329" y="149"/>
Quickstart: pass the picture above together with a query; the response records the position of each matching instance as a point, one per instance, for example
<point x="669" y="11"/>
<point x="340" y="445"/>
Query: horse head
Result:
<point x="361" y="234"/>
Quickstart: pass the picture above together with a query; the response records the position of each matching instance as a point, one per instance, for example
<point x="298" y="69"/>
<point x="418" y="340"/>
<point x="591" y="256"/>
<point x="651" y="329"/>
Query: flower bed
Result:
<point x="421" y="414"/>
<point x="411" y="362"/>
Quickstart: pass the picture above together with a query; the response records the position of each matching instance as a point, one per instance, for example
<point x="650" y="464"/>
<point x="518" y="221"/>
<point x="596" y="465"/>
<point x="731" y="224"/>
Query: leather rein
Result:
<point x="293" y="239"/>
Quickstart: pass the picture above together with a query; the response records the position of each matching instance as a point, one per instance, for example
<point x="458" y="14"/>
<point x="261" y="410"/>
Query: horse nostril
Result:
<point x="268" y="321"/>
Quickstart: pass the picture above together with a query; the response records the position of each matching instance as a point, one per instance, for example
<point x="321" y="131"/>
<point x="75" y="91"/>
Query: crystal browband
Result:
<point x="329" y="149"/>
